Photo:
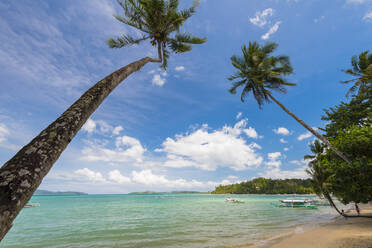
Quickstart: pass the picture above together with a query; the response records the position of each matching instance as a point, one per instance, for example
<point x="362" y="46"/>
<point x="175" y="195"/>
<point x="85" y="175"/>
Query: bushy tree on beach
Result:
<point x="331" y="176"/>
<point x="349" y="127"/>
<point x="160" y="22"/>
<point x="260" y="73"/>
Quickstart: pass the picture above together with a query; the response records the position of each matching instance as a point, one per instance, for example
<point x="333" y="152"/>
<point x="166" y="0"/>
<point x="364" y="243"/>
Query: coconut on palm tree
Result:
<point x="160" y="21"/>
<point x="261" y="73"/>
<point x="361" y="70"/>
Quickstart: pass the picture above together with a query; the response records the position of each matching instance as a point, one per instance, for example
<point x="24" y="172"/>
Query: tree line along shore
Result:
<point x="267" y="186"/>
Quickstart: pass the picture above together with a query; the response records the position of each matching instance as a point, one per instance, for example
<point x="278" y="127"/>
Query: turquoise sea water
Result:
<point x="174" y="220"/>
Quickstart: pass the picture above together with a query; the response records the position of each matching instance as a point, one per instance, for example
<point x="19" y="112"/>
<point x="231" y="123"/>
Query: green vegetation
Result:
<point x="260" y="73"/>
<point x="267" y="186"/>
<point x="349" y="128"/>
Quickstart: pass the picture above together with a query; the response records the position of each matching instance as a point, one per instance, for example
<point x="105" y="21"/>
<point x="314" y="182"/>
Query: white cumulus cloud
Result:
<point x="91" y="175"/>
<point x="117" y="177"/>
<point x="127" y="149"/>
<point x="251" y="132"/>
<point x="101" y="127"/>
<point x="274" y="161"/>
<point x="274" y="171"/>
<point x="4" y="131"/>
<point x="117" y="130"/>
<point x="89" y="126"/>
<point x="261" y="17"/>
<point x="158" y="80"/>
<point x="271" y="31"/>
<point x="180" y="68"/>
<point x="304" y="136"/>
<point x="368" y="16"/>
<point x="282" y="131"/>
<point x="357" y="1"/>
<point x="209" y="150"/>
<point x="277" y="173"/>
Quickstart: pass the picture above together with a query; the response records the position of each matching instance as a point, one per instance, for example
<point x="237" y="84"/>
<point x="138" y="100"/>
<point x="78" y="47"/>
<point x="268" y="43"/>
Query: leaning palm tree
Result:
<point x="361" y="71"/>
<point x="260" y="73"/>
<point x="160" y="21"/>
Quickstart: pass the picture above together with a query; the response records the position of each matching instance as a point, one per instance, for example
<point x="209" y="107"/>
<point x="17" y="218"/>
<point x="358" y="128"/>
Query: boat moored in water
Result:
<point x="295" y="203"/>
<point x="31" y="205"/>
<point x="233" y="200"/>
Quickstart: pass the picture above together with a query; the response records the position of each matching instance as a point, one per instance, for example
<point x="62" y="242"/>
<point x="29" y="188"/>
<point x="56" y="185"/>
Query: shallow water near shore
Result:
<point x="173" y="220"/>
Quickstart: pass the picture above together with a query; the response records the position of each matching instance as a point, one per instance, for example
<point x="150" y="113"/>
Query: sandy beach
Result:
<point x="340" y="233"/>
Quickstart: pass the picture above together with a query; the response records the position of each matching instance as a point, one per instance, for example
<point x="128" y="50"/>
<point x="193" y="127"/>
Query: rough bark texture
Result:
<point x="22" y="174"/>
<point x="318" y="135"/>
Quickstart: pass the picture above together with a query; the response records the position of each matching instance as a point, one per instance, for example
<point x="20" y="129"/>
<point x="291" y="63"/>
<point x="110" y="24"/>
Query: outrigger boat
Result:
<point x="295" y="203"/>
<point x="232" y="200"/>
<point x="318" y="202"/>
<point x="30" y="205"/>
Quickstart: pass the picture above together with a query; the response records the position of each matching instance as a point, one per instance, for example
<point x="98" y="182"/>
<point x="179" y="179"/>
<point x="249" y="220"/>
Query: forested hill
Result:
<point x="267" y="186"/>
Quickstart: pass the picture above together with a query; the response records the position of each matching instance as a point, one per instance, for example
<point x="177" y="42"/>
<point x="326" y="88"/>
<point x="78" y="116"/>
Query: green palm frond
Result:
<point x="136" y="25"/>
<point x="306" y="157"/>
<point x="166" y="55"/>
<point x="179" y="47"/>
<point x="269" y="48"/>
<point x="190" y="39"/>
<point x="236" y="85"/>
<point x="125" y="40"/>
<point x="238" y="63"/>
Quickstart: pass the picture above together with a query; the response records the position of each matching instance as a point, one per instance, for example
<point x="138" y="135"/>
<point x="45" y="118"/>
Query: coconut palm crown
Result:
<point x="259" y="73"/>
<point x="158" y="20"/>
<point x="361" y="70"/>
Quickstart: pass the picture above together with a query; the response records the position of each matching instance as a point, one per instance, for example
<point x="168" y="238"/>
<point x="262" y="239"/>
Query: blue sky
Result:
<point x="179" y="129"/>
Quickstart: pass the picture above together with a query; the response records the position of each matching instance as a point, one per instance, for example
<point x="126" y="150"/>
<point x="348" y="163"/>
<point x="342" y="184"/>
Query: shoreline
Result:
<point x="339" y="232"/>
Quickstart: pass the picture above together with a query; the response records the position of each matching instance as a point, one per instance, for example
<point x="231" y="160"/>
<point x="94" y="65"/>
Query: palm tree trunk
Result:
<point x="22" y="174"/>
<point x="318" y="135"/>
<point x="329" y="198"/>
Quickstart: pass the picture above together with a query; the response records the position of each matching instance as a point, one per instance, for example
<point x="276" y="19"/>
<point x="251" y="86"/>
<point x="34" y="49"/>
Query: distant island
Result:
<point x="159" y="193"/>
<point x="40" y="192"/>
<point x="267" y="186"/>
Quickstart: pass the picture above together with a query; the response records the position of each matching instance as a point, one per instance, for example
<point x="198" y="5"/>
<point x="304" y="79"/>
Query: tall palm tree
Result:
<point x="260" y="73"/>
<point x="361" y="70"/>
<point x="22" y="174"/>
